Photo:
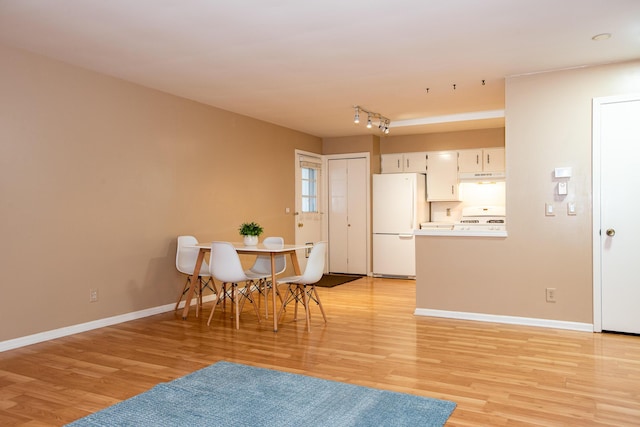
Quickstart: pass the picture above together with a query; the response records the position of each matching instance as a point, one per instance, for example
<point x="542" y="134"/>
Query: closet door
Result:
<point x="347" y="216"/>
<point x="617" y="231"/>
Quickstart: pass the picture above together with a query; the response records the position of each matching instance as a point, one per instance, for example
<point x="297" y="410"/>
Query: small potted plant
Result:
<point x="250" y="232"/>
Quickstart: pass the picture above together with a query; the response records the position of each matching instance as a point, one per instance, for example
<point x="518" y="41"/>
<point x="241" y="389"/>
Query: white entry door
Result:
<point x="308" y="213"/>
<point x="347" y="206"/>
<point x="616" y="230"/>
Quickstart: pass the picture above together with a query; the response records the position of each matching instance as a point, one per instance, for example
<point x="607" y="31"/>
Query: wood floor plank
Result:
<point x="499" y="375"/>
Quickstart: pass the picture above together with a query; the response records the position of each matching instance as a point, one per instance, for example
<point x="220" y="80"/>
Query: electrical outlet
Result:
<point x="551" y="294"/>
<point x="93" y="295"/>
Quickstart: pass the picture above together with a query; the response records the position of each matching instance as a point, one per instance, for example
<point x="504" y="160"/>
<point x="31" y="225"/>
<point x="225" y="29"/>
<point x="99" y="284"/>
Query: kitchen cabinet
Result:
<point x="481" y="160"/>
<point x="403" y="162"/>
<point x="442" y="176"/>
<point x="391" y="163"/>
<point x="493" y="160"/>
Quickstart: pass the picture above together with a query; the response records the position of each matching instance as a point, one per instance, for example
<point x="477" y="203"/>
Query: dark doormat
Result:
<point x="331" y="280"/>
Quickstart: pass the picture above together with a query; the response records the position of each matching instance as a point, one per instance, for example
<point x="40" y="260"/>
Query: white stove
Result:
<point x="482" y="218"/>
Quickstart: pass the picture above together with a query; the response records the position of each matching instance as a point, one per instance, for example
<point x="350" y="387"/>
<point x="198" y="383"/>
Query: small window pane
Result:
<point x="309" y="190"/>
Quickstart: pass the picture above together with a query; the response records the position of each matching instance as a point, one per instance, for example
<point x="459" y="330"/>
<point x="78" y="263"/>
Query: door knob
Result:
<point x="300" y="225"/>
<point x="611" y="232"/>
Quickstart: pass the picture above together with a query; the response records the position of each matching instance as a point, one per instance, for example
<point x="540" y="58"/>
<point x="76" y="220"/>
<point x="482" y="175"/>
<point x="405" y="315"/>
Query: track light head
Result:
<point x="383" y="124"/>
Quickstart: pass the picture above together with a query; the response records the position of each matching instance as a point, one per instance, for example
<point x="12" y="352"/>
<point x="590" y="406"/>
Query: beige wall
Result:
<point x="548" y="125"/>
<point x="479" y="138"/>
<point x="98" y="177"/>
<point x="355" y="144"/>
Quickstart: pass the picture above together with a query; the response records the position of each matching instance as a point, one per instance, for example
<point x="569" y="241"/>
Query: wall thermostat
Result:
<point x="562" y="188"/>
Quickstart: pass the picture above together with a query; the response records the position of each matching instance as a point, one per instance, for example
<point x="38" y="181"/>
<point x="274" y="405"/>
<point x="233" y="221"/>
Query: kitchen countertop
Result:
<point x="458" y="233"/>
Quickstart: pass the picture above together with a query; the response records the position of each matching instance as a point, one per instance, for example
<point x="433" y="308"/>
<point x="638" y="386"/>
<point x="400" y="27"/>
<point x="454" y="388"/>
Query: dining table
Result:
<point x="259" y="249"/>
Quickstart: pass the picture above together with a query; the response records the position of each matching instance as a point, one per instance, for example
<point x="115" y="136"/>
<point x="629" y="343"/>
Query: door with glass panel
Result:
<point x="308" y="209"/>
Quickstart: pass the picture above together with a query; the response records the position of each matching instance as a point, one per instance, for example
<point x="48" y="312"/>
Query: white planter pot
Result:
<point x="250" y="240"/>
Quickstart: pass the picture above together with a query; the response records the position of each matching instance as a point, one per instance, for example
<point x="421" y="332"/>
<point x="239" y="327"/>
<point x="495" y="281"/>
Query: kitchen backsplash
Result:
<point x="471" y="194"/>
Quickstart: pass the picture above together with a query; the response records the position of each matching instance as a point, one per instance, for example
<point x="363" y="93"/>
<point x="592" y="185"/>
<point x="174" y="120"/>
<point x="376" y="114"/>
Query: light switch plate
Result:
<point x="548" y="209"/>
<point x="571" y="208"/>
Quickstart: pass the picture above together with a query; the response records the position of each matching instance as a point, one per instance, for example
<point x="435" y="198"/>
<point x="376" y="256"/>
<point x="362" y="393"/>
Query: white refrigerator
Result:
<point x="399" y="206"/>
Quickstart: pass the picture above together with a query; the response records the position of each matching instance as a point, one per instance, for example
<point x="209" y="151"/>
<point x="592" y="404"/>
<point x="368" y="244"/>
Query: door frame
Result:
<point x="325" y="195"/>
<point x="596" y="200"/>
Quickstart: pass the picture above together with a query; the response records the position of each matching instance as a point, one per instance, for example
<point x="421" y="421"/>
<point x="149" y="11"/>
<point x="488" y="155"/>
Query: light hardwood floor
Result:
<point x="499" y="375"/>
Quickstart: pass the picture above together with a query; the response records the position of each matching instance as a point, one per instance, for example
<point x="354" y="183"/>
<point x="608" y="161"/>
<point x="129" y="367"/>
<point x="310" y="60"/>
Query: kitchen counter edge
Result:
<point x="458" y="233"/>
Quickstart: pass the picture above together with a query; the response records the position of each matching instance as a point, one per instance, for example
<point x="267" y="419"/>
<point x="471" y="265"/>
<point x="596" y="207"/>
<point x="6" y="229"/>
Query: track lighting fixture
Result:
<point x="383" y="125"/>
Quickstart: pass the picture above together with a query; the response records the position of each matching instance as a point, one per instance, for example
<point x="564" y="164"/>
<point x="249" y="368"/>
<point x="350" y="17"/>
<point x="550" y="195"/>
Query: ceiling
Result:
<point x="306" y="64"/>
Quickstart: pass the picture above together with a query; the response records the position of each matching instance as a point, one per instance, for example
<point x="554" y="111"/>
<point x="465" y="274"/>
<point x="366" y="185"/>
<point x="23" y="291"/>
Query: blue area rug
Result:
<point x="229" y="394"/>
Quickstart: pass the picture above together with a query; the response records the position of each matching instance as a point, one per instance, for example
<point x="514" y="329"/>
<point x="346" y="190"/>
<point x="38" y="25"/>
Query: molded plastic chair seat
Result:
<point x="186" y="257"/>
<point x="302" y="289"/>
<point x="226" y="267"/>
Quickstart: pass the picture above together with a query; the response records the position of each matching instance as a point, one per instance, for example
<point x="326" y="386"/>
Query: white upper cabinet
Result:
<point x="442" y="176"/>
<point x="403" y="162"/>
<point x="493" y="160"/>
<point x="470" y="160"/>
<point x="481" y="160"/>
<point x="415" y="162"/>
<point x="391" y="163"/>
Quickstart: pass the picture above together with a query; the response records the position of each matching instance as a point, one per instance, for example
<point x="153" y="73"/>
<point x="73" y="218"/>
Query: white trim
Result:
<point x="510" y="320"/>
<point x="595" y="215"/>
<point x="596" y="201"/>
<point x="96" y="324"/>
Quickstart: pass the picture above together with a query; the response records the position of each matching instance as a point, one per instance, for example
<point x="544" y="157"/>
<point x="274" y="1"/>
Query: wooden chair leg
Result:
<point x="198" y="294"/>
<point x="221" y="297"/>
<point x="201" y="290"/>
<point x="306" y="306"/>
<point x="284" y="304"/>
<point x="265" y="287"/>
<point x="184" y="290"/>
<point x="235" y="299"/>
<point x="297" y="298"/>
<point x="215" y="304"/>
<point x="255" y="306"/>
<point x="315" y="292"/>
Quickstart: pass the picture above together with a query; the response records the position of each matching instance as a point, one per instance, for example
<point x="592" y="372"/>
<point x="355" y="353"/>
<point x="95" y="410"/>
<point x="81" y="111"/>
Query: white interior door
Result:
<point x="347" y="222"/>
<point x="308" y="208"/>
<point x="338" y="198"/>
<point x="616" y="232"/>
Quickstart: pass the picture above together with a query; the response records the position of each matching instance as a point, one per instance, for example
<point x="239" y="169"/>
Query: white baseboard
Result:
<point x="96" y="324"/>
<point x="511" y="320"/>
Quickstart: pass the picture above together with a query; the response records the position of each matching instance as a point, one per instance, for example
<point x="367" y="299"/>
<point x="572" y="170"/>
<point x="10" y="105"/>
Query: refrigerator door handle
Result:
<point x="413" y="205"/>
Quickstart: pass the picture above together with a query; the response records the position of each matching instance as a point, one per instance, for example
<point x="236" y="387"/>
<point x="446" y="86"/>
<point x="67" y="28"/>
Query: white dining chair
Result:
<point x="261" y="271"/>
<point x="302" y="289"/>
<point x="186" y="256"/>
<point x="226" y="267"/>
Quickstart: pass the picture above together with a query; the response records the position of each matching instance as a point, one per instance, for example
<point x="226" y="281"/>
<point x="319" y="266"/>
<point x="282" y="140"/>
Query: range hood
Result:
<point x="481" y="176"/>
